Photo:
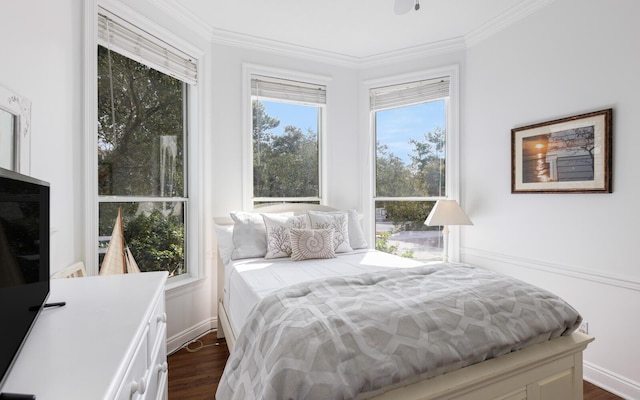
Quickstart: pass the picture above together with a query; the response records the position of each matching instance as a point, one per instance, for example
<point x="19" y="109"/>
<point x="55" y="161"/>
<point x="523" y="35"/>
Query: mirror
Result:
<point x="15" y="131"/>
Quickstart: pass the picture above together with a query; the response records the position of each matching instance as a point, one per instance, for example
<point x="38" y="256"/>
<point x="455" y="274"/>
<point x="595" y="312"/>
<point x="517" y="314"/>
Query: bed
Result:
<point x="251" y="316"/>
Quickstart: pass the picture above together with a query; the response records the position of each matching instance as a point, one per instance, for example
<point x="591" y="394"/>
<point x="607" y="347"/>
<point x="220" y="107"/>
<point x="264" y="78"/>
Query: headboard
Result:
<point x="296" y="208"/>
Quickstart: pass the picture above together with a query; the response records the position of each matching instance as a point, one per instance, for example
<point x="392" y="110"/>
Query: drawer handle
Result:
<point x="163" y="367"/>
<point x="139" y="387"/>
<point x="162" y="318"/>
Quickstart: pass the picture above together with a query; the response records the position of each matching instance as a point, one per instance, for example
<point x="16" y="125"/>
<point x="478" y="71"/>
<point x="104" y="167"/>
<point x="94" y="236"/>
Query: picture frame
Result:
<point x="567" y="155"/>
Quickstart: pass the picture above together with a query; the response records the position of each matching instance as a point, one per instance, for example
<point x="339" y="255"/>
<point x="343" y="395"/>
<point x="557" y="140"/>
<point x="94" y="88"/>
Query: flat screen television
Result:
<point x="24" y="261"/>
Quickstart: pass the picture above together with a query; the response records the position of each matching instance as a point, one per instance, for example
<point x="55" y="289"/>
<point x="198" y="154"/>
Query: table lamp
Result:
<point x="445" y="213"/>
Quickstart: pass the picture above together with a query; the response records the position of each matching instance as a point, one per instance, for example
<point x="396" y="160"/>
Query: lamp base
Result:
<point x="445" y="244"/>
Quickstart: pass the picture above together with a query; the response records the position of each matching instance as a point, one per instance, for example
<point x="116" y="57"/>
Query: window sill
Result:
<point x="183" y="282"/>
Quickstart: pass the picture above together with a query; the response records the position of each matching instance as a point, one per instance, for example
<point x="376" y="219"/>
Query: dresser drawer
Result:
<point x="158" y="370"/>
<point x="157" y="323"/>
<point x="135" y="381"/>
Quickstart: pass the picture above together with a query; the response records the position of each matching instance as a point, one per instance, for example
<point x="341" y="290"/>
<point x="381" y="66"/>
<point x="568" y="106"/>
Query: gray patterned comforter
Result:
<point x="353" y="337"/>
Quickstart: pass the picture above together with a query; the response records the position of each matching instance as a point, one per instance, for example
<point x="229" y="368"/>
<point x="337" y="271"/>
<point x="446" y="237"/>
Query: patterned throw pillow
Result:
<point x="356" y="235"/>
<point x="249" y="235"/>
<point x="311" y="243"/>
<point x="339" y="223"/>
<point x="278" y="243"/>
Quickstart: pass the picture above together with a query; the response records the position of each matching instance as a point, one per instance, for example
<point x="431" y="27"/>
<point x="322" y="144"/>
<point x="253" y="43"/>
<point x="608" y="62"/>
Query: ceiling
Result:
<point x="358" y="29"/>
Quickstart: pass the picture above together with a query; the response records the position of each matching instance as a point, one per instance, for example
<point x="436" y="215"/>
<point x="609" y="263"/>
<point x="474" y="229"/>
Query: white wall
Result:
<point x="41" y="60"/>
<point x="571" y="57"/>
<point x="227" y="100"/>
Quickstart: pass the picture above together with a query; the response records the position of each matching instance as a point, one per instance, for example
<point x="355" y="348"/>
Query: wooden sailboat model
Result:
<point x="118" y="259"/>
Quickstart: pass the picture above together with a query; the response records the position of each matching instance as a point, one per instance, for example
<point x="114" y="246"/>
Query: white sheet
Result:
<point x="249" y="280"/>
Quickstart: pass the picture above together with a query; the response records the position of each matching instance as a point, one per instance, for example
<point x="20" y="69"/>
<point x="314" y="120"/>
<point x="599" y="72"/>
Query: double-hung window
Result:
<point x="410" y="127"/>
<point x="143" y="105"/>
<point x="287" y="125"/>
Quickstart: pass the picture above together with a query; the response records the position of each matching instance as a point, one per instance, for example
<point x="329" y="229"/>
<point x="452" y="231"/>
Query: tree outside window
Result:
<point x="286" y="128"/>
<point x="410" y="177"/>
<point x="141" y="160"/>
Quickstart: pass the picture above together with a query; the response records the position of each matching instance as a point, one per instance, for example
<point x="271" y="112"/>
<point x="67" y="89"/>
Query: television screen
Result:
<point x="24" y="260"/>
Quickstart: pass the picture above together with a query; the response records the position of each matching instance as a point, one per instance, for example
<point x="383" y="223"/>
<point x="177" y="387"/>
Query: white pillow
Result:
<point x="249" y="235"/>
<point x="356" y="234"/>
<point x="277" y="227"/>
<point x="311" y="243"/>
<point x="224" y="237"/>
<point x="336" y="220"/>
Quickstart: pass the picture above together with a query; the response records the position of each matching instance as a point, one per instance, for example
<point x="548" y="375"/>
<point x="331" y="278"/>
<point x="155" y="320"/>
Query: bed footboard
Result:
<point x="547" y="371"/>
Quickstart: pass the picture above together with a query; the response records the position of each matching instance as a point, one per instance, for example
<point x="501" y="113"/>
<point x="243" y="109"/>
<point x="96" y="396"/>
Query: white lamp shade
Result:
<point x="447" y="212"/>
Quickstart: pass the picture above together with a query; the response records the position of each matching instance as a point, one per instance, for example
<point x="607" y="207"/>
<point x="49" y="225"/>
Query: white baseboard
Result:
<point x="175" y="342"/>
<point x="611" y="382"/>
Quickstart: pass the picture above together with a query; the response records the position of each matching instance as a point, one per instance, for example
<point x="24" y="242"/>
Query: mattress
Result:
<point x="247" y="281"/>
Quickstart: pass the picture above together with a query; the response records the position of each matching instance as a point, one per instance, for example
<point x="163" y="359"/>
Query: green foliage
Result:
<point x="154" y="235"/>
<point x="382" y="244"/>
<point x="141" y="134"/>
<point x="156" y="242"/>
<point x="284" y="165"/>
<point x="428" y="161"/>
<point x="423" y="177"/>
<point x="394" y="178"/>
<point x="407" y="215"/>
<point x="147" y="105"/>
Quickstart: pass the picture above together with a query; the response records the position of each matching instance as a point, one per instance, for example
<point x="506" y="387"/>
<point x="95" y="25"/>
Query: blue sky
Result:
<point x="301" y="116"/>
<point x="395" y="127"/>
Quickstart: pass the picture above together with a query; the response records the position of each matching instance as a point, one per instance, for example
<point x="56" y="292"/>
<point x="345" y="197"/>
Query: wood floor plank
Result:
<point x="195" y="375"/>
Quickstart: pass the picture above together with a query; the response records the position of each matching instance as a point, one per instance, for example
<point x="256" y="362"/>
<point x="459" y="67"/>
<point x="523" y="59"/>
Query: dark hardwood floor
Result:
<point x="195" y="376"/>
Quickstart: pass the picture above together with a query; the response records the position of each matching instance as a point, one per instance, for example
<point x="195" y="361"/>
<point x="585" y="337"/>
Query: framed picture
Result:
<point x="566" y="155"/>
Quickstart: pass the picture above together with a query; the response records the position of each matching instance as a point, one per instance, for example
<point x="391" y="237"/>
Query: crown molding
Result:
<point x="184" y="16"/>
<point x="234" y="39"/>
<point x="282" y="48"/>
<point x="504" y="20"/>
<point x="412" y="53"/>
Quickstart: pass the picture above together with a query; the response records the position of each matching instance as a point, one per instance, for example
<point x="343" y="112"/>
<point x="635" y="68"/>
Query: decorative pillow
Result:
<point x="311" y="243"/>
<point x="339" y="222"/>
<point x="356" y="235"/>
<point x="224" y="237"/>
<point x="249" y="235"/>
<point x="278" y="243"/>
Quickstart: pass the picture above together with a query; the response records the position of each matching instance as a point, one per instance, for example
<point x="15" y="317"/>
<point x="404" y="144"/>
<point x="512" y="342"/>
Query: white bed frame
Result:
<point x="546" y="371"/>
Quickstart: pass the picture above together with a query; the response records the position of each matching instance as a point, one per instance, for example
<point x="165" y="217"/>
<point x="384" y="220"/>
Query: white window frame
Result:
<point x="194" y="226"/>
<point x="248" y="71"/>
<point x="452" y="178"/>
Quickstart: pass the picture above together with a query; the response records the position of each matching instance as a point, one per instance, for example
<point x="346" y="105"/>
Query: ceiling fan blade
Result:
<point x="402" y="6"/>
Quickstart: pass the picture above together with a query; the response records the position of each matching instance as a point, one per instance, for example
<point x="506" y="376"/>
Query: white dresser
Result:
<point x="108" y="342"/>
